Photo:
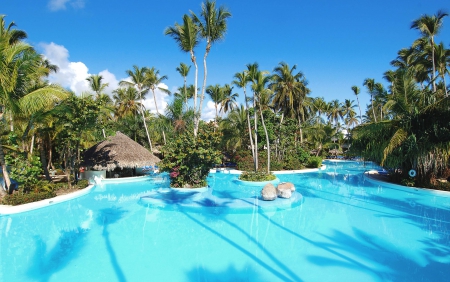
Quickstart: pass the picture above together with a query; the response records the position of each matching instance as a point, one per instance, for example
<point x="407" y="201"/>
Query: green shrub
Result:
<point x="256" y="176"/>
<point x="26" y="171"/>
<point x="274" y="165"/>
<point x="24" y="198"/>
<point x="314" y="162"/>
<point x="188" y="159"/>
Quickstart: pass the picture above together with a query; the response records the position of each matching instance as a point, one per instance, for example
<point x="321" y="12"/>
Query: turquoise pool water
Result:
<point x="344" y="229"/>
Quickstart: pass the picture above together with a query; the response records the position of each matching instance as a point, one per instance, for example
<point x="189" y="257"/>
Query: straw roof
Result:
<point x="118" y="151"/>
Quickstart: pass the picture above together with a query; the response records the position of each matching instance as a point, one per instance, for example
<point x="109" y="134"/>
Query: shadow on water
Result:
<point x="390" y="265"/>
<point x="228" y="274"/>
<point x="67" y="247"/>
<point x="105" y="218"/>
<point x="268" y="267"/>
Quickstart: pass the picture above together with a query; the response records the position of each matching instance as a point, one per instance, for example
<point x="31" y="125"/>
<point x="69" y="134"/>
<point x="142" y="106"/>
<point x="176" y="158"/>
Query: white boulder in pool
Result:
<point x="269" y="192"/>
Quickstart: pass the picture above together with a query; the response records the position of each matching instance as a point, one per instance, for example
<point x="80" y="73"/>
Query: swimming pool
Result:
<point x="345" y="229"/>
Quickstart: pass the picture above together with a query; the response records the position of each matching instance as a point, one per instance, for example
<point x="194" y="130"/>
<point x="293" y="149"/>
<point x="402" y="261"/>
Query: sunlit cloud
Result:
<point x="72" y="75"/>
<point x="209" y="112"/>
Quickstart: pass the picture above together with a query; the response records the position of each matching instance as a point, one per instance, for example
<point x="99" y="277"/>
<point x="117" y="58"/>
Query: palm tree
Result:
<point x="212" y="25"/>
<point x="442" y="59"/>
<point x="187" y="38"/>
<point x="139" y="81"/>
<point x="153" y="80"/>
<point x="11" y="36"/>
<point x="252" y="71"/>
<point x="215" y="93"/>
<point x="126" y="102"/>
<point x="96" y="84"/>
<point x="234" y="128"/>
<point x="356" y="91"/>
<point x="263" y="100"/>
<point x="241" y="80"/>
<point x="335" y="111"/>
<point x="290" y="91"/>
<point x="370" y="84"/>
<point x="429" y="27"/>
<point x="184" y="69"/>
<point x="228" y="101"/>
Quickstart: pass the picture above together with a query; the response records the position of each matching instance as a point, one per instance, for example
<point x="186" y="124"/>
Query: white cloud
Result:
<point x="209" y="112"/>
<point x="56" y="5"/>
<point x="72" y="75"/>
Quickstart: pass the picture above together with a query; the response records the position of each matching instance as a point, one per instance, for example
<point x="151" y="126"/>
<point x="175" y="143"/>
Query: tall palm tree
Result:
<point x="241" y="80"/>
<point x="252" y="71"/>
<point x="228" y="99"/>
<point x="290" y="91"/>
<point x="215" y="93"/>
<point x="356" y="91"/>
<point x="139" y="81"/>
<point x="370" y="84"/>
<point x="153" y="80"/>
<point x="212" y="25"/>
<point x="187" y="38"/>
<point x="183" y="70"/>
<point x="335" y="111"/>
<point x="263" y="100"/>
<point x="429" y="27"/>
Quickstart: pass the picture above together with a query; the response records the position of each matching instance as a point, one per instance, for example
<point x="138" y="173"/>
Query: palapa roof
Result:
<point x="118" y="151"/>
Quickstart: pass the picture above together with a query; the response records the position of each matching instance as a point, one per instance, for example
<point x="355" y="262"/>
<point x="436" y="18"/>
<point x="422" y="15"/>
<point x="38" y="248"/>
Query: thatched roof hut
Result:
<point x="118" y="151"/>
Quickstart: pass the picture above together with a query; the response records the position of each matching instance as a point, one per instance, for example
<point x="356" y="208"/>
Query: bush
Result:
<point x="189" y="159"/>
<point x="24" y="198"/>
<point x="274" y="165"/>
<point x="314" y="162"/>
<point x="26" y="171"/>
<point x="256" y="176"/>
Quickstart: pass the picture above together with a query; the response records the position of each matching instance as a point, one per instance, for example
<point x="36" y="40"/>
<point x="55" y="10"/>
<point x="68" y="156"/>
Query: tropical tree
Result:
<point x="356" y="91"/>
<point x="429" y="27"/>
<point x="215" y="93"/>
<point x="96" y="84"/>
<point x="228" y="101"/>
<point x="187" y="38"/>
<point x="153" y="81"/>
<point x="240" y="80"/>
<point x="139" y="80"/>
<point x="212" y="25"/>
<point x="184" y="69"/>
<point x="370" y="84"/>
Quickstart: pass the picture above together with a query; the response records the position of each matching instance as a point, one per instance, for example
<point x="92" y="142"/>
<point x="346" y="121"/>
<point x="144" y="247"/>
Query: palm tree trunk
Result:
<point x="145" y="124"/>
<point x="434" y="66"/>
<point x="196" y="117"/>
<point x="249" y="126"/>
<point x="157" y="111"/>
<point x="373" y="108"/>
<point x="267" y="142"/>
<point x="360" y="113"/>
<point x="5" y="173"/>
<point x="256" y="133"/>
<point x="44" y="160"/>
<point x="204" y="82"/>
<point x="185" y="92"/>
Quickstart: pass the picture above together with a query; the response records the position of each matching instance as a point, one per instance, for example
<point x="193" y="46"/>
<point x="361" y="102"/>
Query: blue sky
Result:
<point x="336" y="44"/>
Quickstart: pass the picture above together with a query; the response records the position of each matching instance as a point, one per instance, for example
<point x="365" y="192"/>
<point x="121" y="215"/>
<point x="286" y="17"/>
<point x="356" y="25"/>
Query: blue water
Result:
<point x="345" y="229"/>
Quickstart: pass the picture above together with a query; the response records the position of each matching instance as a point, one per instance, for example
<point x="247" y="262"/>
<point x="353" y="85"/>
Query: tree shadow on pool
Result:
<point x="105" y="218"/>
<point x="288" y="274"/>
<point x="50" y="261"/>
<point x="231" y="273"/>
<point x="382" y="258"/>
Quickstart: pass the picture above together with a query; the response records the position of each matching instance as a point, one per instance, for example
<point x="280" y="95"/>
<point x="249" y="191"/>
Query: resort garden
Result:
<point x="45" y="128"/>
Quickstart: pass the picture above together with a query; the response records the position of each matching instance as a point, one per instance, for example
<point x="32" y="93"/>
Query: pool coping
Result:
<point x="371" y="179"/>
<point x="8" y="209"/>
